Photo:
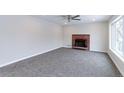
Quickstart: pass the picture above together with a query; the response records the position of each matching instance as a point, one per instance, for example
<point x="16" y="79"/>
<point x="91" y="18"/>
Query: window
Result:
<point x="117" y="36"/>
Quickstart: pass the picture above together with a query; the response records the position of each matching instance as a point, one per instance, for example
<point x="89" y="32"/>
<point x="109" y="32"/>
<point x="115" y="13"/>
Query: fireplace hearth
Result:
<point x="81" y="41"/>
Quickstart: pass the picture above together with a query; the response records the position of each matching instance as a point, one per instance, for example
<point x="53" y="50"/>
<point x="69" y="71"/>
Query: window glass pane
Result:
<point x="117" y="36"/>
<point x="113" y="36"/>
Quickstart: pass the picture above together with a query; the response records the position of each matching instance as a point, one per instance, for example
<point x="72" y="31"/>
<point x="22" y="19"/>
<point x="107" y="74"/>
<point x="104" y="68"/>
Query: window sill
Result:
<point x="120" y="57"/>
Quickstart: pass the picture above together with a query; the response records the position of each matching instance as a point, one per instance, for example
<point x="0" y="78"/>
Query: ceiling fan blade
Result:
<point x="76" y="19"/>
<point x="75" y="16"/>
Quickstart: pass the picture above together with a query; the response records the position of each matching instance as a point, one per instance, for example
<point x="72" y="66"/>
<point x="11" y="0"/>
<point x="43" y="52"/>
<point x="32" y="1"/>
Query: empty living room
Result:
<point x="61" y="46"/>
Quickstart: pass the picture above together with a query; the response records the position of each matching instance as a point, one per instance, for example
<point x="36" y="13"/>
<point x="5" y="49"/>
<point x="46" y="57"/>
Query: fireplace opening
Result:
<point x="80" y="43"/>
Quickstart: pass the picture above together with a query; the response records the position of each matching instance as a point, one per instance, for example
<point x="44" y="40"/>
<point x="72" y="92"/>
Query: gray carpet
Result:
<point x="63" y="62"/>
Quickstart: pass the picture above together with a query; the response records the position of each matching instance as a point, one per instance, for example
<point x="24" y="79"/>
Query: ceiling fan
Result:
<point x="72" y="17"/>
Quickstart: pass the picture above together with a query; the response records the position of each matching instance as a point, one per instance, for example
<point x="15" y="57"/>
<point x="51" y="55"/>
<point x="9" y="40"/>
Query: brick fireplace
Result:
<point x="81" y="41"/>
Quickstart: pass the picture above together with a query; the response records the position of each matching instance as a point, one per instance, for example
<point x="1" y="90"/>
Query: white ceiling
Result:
<point x="59" y="19"/>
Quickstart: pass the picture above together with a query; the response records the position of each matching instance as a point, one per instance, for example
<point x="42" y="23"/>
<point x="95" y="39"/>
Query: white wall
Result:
<point x="24" y="36"/>
<point x="98" y="35"/>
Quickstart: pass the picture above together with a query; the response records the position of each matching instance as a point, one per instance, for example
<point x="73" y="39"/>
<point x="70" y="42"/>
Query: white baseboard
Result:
<point x="68" y="46"/>
<point x="89" y="50"/>
<point x="118" y="62"/>
<point x="14" y="61"/>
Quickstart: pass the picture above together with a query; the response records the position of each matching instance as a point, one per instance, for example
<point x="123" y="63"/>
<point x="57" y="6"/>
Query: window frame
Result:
<point x="111" y="39"/>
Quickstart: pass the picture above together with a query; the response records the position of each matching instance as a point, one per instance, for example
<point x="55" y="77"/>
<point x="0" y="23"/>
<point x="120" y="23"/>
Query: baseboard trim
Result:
<point x="89" y="50"/>
<point x="21" y="59"/>
<point x="115" y="60"/>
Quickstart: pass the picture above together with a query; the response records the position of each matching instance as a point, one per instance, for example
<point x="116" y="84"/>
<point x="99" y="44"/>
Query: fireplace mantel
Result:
<point x="81" y="41"/>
